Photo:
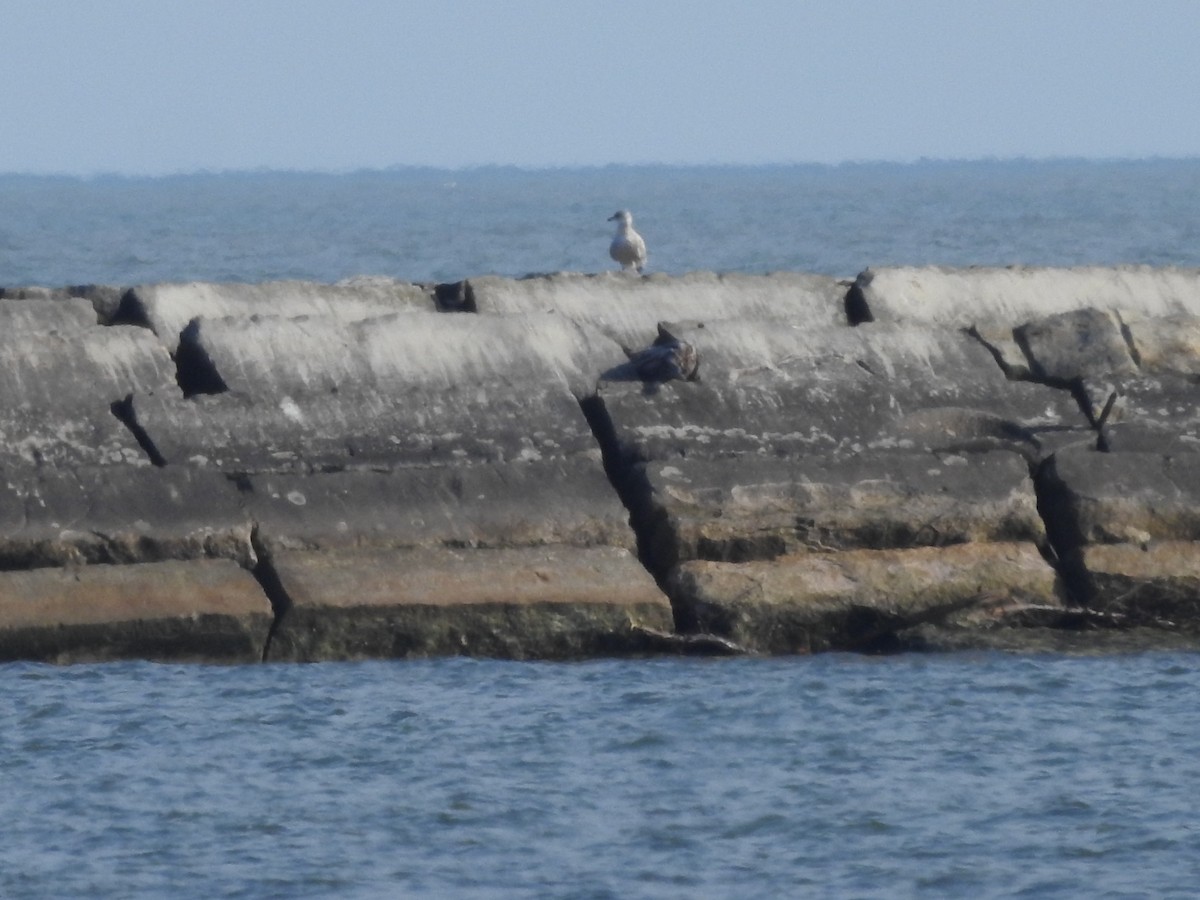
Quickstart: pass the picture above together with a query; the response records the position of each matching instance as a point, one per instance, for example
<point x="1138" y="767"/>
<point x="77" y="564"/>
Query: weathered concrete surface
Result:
<point x="1165" y="346"/>
<point x="1076" y="344"/>
<point x="764" y="509"/>
<point x="1092" y="353"/>
<point x="858" y="599"/>
<point x="61" y="385"/>
<point x="1124" y="342"/>
<point x="809" y="450"/>
<point x="1129" y="527"/>
<point x="627" y="307"/>
<point x="517" y="560"/>
<point x="415" y="389"/>
<point x="1152" y="584"/>
<point x="264" y="357"/>
<point x="413" y="434"/>
<point x="961" y="298"/>
<point x="104" y="299"/>
<point x="168" y="308"/>
<point x="204" y="610"/>
<point x="372" y="430"/>
<point x="566" y="502"/>
<point x="1131" y="329"/>
<point x="774" y="389"/>
<point x="1148" y="366"/>
<point x="120" y="514"/>
<point x="531" y="602"/>
<point x="390" y="480"/>
<point x="1127" y="497"/>
<point x="1153" y="415"/>
<point x="44" y="313"/>
<point x="1126" y="520"/>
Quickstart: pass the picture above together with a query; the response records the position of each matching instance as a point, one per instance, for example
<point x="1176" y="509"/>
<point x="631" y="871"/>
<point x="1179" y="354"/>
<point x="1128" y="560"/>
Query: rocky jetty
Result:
<point x="920" y="459"/>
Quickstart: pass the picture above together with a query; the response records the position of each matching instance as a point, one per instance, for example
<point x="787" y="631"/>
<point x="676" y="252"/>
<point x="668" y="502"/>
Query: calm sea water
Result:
<point x="833" y="776"/>
<point x="969" y="775"/>
<point x="441" y="226"/>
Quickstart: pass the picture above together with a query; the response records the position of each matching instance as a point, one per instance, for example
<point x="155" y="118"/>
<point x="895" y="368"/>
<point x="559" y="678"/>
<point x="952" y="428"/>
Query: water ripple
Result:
<point x="988" y="775"/>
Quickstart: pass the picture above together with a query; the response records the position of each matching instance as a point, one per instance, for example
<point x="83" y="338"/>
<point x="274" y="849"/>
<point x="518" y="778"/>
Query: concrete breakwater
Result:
<point x="918" y="459"/>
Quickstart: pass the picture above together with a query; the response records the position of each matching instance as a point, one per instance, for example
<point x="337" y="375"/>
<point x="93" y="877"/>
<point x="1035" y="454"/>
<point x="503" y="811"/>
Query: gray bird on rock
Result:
<point x="668" y="358"/>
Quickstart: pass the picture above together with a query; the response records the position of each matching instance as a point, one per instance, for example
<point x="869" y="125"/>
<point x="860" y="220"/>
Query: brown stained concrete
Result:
<point x="856" y="599"/>
<point x="404" y="482"/>
<point x="764" y="508"/>
<point x="1155" y="584"/>
<point x="201" y="610"/>
<point x="527" y="603"/>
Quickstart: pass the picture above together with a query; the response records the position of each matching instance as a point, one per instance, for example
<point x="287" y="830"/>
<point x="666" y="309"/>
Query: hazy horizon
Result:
<point x="402" y="168"/>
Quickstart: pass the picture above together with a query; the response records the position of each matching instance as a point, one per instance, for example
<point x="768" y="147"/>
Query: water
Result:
<point x="427" y="225"/>
<point x="976" y="775"/>
<point x="965" y="775"/>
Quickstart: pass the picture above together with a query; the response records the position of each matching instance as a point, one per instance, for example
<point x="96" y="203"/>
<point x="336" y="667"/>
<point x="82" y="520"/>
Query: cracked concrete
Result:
<point x="391" y="480"/>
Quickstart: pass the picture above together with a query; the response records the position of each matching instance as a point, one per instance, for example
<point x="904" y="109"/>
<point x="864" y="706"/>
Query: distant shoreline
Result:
<point x="574" y="170"/>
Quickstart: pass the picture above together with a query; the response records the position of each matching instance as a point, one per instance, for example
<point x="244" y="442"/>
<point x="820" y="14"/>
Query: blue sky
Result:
<point x="164" y="86"/>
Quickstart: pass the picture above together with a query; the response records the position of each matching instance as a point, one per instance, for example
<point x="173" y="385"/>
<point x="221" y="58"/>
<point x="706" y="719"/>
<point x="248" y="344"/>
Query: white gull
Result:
<point x="627" y="246"/>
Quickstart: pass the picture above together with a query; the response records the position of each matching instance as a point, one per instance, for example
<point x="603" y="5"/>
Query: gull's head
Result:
<point x="624" y="216"/>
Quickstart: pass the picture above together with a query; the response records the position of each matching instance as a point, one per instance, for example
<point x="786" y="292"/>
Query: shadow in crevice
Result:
<point x="195" y="372"/>
<point x="454" y="296"/>
<point x="1130" y="343"/>
<point x="124" y="411"/>
<point x="1062" y="531"/>
<point x="626" y="472"/>
<point x="267" y="576"/>
<point x="129" y="311"/>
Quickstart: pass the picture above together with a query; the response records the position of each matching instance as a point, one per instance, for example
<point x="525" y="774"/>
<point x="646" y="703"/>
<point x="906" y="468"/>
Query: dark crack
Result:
<point x="991" y="348"/>
<point x="267" y="576"/>
<point x="1127" y="334"/>
<point x="627" y="474"/>
<point x="127" y="415"/>
<point x="1062" y="531"/>
<point x="1101" y="435"/>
